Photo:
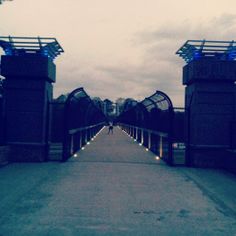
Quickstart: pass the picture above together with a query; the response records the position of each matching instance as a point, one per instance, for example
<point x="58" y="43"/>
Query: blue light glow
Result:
<point x="16" y="46"/>
<point x="197" y="55"/>
<point x="194" y="50"/>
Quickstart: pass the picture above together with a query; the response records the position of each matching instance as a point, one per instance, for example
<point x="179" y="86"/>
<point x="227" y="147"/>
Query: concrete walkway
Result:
<point x="115" y="187"/>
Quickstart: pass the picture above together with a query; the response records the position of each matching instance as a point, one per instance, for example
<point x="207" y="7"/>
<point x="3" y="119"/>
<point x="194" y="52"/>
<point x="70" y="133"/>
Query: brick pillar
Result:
<point x="210" y="99"/>
<point x="28" y="89"/>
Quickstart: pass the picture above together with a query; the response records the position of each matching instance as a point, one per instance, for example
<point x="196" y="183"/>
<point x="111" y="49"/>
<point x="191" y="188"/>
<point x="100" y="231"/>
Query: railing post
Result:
<point x="72" y="144"/>
<point x="141" y="136"/>
<point x="86" y="136"/>
<point x="89" y="134"/>
<point x="149" y="140"/>
<point x="93" y="132"/>
<point x="160" y="147"/>
<point x="80" y="139"/>
<point x="136" y="133"/>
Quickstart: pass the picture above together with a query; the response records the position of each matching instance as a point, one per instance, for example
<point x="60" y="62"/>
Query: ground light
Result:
<point x="140" y="144"/>
<point x="92" y="139"/>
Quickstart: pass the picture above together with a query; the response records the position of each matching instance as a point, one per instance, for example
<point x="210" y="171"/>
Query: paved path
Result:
<point x="115" y="187"/>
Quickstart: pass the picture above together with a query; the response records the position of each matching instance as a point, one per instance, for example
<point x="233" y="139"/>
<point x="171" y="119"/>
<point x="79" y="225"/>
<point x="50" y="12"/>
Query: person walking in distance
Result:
<point x="110" y="129"/>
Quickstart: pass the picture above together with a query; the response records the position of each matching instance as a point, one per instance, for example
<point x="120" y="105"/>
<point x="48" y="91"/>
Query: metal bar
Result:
<point x="17" y="37"/>
<point x="149" y="140"/>
<point x="72" y="131"/>
<point x="161" y="147"/>
<point x="80" y="140"/>
<point x="142" y="136"/>
<point x="21" y="42"/>
<point x="147" y="130"/>
<point x="208" y="41"/>
<point x="72" y="144"/>
<point x="27" y="46"/>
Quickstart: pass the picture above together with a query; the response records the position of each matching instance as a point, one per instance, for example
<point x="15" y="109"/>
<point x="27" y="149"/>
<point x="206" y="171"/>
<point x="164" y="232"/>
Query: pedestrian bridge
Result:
<point x="115" y="187"/>
<point x="152" y="124"/>
<point x="115" y="148"/>
<point x="89" y="182"/>
<point x="34" y="127"/>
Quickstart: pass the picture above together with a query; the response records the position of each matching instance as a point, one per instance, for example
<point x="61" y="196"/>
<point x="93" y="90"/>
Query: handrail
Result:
<point x="147" y="130"/>
<point x="73" y="131"/>
<point x="156" y="145"/>
<point x="80" y="129"/>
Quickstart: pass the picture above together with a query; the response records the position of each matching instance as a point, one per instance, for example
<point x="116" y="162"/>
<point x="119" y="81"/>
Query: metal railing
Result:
<point x="82" y="121"/>
<point x="77" y="138"/>
<point x="158" y="126"/>
<point x="150" y="123"/>
<point x="157" y="142"/>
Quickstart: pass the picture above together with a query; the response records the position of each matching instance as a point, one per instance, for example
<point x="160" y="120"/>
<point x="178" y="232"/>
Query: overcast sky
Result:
<point x="120" y="48"/>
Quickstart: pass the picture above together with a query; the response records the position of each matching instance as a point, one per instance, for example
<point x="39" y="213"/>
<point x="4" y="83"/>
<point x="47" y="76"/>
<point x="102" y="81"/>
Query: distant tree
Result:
<point x="1" y="1"/>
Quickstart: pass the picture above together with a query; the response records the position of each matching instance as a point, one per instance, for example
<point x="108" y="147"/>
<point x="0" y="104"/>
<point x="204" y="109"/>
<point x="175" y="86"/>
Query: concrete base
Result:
<point x="55" y="152"/>
<point x="207" y="157"/>
<point x="221" y="158"/>
<point x="4" y="153"/>
<point x="230" y="160"/>
<point x="28" y="152"/>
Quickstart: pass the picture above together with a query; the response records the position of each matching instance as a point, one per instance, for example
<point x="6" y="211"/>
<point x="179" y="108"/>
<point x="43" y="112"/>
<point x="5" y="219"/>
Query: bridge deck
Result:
<point x="115" y="187"/>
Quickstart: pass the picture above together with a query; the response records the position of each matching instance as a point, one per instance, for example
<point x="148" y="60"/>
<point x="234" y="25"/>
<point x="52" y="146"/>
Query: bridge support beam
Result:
<point x="210" y="100"/>
<point x="28" y="89"/>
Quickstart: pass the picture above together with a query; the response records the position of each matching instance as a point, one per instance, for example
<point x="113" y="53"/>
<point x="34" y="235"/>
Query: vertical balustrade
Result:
<point x="142" y="139"/>
<point x="72" y="144"/>
<point x="149" y="140"/>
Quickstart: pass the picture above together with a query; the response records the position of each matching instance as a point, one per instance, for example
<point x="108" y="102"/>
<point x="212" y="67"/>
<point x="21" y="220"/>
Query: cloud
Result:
<point x="142" y="80"/>
<point x="221" y="27"/>
<point x="224" y="21"/>
<point x="159" y="67"/>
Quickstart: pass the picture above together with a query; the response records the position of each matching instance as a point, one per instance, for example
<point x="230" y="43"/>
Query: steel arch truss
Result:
<point x="82" y="120"/>
<point x="150" y="123"/>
